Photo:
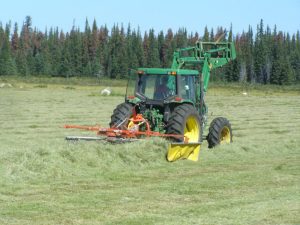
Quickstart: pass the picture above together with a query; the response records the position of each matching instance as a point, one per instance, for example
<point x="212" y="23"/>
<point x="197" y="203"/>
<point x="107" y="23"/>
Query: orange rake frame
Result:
<point x="132" y="132"/>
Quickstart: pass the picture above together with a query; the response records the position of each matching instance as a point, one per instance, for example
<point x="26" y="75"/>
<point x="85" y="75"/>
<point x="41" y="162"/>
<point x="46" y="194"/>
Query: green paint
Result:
<point x="209" y="55"/>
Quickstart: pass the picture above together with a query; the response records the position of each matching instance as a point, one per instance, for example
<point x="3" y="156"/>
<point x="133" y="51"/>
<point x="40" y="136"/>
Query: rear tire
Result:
<point x="220" y="132"/>
<point x="185" y="120"/>
<point x="120" y="116"/>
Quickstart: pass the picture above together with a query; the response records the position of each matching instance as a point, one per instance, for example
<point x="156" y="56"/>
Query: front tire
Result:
<point x="220" y="132"/>
<point x="185" y="120"/>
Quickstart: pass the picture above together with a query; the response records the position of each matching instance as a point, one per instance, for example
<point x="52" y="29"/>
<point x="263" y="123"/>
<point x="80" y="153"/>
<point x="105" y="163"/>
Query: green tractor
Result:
<point x="172" y="99"/>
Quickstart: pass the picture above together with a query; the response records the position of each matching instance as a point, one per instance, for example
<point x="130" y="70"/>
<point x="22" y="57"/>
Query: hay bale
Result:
<point x="106" y="91"/>
<point x="3" y="85"/>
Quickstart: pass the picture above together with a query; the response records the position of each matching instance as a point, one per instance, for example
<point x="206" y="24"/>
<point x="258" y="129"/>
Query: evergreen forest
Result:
<point x="265" y="55"/>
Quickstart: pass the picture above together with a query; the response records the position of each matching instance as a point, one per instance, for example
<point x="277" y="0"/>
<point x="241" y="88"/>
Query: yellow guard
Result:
<point x="183" y="151"/>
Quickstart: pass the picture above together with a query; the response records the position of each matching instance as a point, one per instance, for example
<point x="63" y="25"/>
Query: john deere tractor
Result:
<point x="172" y="100"/>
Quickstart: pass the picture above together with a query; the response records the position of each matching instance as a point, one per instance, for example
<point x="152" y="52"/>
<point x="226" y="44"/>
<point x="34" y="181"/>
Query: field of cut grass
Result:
<point x="47" y="180"/>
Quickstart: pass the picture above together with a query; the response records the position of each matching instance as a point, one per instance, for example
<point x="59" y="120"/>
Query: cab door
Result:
<point x="187" y="87"/>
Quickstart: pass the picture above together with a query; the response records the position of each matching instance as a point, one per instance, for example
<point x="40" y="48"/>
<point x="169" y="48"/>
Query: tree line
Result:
<point x="264" y="56"/>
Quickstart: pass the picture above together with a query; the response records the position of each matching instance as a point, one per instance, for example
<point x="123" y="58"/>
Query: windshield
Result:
<point x="156" y="87"/>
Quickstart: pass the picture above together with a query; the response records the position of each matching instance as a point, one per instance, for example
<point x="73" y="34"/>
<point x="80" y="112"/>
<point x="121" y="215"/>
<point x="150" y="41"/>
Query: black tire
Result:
<point x="179" y="121"/>
<point x="219" y="132"/>
<point x="120" y="116"/>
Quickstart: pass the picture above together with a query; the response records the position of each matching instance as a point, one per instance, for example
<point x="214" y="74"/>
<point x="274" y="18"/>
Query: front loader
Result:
<point x="170" y="102"/>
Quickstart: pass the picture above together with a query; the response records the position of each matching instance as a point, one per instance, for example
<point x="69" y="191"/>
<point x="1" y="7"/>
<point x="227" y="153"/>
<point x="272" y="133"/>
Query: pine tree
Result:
<point x="260" y="55"/>
<point x="220" y="34"/>
<point x="25" y="57"/>
<point x="212" y="35"/>
<point x="75" y="49"/>
<point x="146" y="48"/>
<point x="97" y="68"/>
<point x="230" y="35"/>
<point x="131" y="59"/>
<point x="117" y="62"/>
<point x="122" y="56"/>
<point x="250" y="56"/>
<point x="192" y="39"/>
<point x="281" y="72"/>
<point x="138" y="51"/>
<point x="65" y="65"/>
<point x="87" y="53"/>
<point x="54" y="48"/>
<point x="170" y="46"/>
<point x="38" y="58"/>
<point x="162" y="50"/>
<point x="181" y="38"/>
<point x="103" y="50"/>
<point x="94" y="41"/>
<point x="232" y="70"/>
<point x="15" y="41"/>
<point x="7" y="64"/>
<point x="206" y="34"/>
<point x="153" y="54"/>
<point x="295" y="59"/>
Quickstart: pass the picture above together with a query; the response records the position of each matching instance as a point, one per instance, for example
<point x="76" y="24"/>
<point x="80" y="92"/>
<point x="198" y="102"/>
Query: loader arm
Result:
<point x="209" y="55"/>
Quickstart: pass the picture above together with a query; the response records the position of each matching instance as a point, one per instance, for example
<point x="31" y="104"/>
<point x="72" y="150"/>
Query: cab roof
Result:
<point x="161" y="71"/>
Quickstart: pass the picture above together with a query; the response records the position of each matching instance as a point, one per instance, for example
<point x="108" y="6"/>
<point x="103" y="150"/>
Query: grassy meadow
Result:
<point x="47" y="180"/>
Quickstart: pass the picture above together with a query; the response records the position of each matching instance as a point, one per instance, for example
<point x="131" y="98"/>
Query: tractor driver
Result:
<point x="162" y="91"/>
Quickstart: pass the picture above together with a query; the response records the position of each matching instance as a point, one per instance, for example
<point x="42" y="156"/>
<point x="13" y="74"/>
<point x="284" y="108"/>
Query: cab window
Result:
<point x="187" y="87"/>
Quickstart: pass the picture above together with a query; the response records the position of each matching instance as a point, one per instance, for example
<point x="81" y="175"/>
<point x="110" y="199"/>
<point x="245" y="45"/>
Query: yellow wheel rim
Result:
<point x="225" y="136"/>
<point x="130" y="125"/>
<point x="192" y="129"/>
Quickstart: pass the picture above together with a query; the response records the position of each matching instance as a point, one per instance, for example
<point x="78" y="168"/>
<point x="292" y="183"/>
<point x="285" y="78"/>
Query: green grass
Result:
<point x="46" y="180"/>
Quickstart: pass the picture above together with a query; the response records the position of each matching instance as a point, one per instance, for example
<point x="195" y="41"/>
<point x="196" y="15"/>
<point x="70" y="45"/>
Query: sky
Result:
<point x="193" y="15"/>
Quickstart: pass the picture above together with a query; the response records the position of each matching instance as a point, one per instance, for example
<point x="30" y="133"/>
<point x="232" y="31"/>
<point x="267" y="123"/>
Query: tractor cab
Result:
<point x="162" y="86"/>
